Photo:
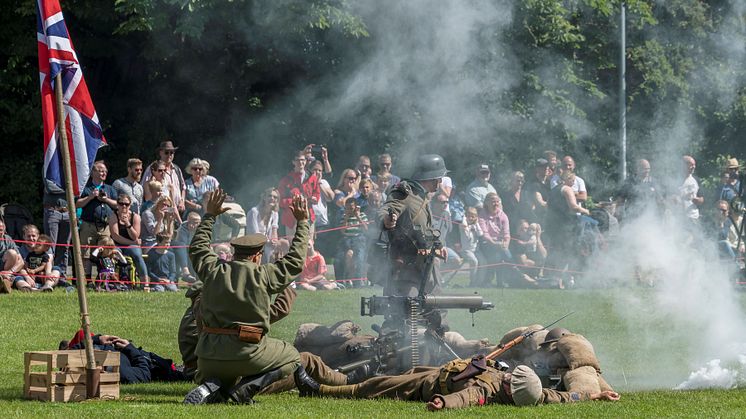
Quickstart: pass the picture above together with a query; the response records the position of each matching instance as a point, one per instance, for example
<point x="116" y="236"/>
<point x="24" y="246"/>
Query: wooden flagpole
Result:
<point x="93" y="374"/>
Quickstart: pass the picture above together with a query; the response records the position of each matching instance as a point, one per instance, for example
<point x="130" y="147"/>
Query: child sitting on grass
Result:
<point x="38" y="273"/>
<point x="313" y="276"/>
<point x="107" y="257"/>
<point x="162" y="265"/>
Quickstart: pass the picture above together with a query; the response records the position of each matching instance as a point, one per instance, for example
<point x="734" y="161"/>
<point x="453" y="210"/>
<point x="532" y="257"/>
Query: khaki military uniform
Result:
<point x="413" y="232"/>
<point x="191" y="323"/>
<point x="316" y="369"/>
<point x="423" y="383"/>
<point x="235" y="295"/>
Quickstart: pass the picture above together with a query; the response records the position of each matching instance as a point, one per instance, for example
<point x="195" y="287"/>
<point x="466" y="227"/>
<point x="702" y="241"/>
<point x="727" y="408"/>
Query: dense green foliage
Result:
<point x="256" y="78"/>
<point x="151" y="320"/>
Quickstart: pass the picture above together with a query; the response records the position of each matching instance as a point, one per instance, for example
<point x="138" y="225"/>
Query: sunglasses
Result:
<point x="198" y="168"/>
<point x="124" y="204"/>
<point x="169" y="152"/>
<point x="351" y="178"/>
<point x="724" y="211"/>
<point x="160" y="170"/>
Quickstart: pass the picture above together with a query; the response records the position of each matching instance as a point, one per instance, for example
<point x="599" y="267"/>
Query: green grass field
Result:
<point x="642" y="353"/>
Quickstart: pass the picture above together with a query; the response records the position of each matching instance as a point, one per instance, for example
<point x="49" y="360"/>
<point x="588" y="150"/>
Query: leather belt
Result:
<point x="248" y="334"/>
<point x="56" y="208"/>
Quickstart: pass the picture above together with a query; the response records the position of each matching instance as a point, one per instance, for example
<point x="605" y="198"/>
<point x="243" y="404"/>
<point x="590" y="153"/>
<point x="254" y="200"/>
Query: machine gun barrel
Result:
<point x="378" y="306"/>
<point x="470" y="302"/>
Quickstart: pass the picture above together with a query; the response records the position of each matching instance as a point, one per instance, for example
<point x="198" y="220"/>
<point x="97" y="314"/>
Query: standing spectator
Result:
<point x="298" y="182"/>
<point x="639" y="192"/>
<point x="724" y="191"/>
<point x="479" y="187"/>
<point x="198" y="184"/>
<point x="471" y="232"/>
<point x="313" y="276"/>
<point x="494" y="246"/>
<point x="562" y="224"/>
<point x="156" y="220"/>
<point x="98" y="200"/>
<point x="264" y="219"/>
<point x="689" y="194"/>
<point x="347" y="187"/>
<point x="581" y="194"/>
<point x="130" y="185"/>
<point x="350" y="260"/>
<point x="326" y="166"/>
<point x="56" y="221"/>
<point x="364" y="170"/>
<point x="366" y="187"/>
<point x="443" y="224"/>
<point x="158" y="171"/>
<point x="383" y="183"/>
<point x="125" y="228"/>
<point x="551" y="157"/>
<point x="162" y="265"/>
<point x="538" y="189"/>
<point x="732" y="167"/>
<point x="172" y="172"/>
<point x="321" y="208"/>
<point x="181" y="243"/>
<point x="517" y="202"/>
<point x="154" y="191"/>
<point x="384" y="170"/>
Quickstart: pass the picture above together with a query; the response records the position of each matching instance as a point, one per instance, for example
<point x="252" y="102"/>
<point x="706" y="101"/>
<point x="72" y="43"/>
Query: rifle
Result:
<point x="504" y="348"/>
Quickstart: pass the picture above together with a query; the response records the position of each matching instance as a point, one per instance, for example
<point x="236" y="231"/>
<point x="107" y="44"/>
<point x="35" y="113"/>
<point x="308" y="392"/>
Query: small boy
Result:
<point x="156" y="190"/>
<point x="107" y="257"/>
<point x="162" y="265"/>
<point x="470" y="234"/>
<point x="38" y="272"/>
<point x="313" y="276"/>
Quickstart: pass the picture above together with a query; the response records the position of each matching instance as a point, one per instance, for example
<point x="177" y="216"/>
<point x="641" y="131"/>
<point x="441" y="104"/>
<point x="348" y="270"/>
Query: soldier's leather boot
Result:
<point x="307" y="386"/>
<point x="206" y="393"/>
<point x="360" y="374"/>
<point x="248" y="387"/>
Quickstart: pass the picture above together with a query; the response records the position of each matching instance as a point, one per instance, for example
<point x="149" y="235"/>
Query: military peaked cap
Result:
<point x="250" y="243"/>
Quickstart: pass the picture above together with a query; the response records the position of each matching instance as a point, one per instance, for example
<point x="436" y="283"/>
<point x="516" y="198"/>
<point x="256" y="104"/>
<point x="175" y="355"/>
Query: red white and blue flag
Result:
<point x="84" y="135"/>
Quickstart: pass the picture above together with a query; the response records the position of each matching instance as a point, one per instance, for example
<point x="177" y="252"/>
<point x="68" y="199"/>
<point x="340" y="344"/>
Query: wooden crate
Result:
<point x="60" y="376"/>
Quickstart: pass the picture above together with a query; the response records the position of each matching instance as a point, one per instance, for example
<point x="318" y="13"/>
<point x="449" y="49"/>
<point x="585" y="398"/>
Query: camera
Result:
<point x="316" y="148"/>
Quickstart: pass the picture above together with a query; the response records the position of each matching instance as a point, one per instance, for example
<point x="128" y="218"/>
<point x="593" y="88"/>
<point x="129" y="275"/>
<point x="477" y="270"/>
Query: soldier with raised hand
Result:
<point x="235" y="310"/>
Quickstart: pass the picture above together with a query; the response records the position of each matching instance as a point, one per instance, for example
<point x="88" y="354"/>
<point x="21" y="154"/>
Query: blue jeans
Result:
<point x="357" y="245"/>
<point x="182" y="260"/>
<point x="136" y="254"/>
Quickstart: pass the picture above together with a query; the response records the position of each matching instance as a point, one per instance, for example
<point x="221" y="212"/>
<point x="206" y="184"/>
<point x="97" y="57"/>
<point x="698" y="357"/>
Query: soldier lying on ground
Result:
<point x="135" y="364"/>
<point x="442" y="388"/>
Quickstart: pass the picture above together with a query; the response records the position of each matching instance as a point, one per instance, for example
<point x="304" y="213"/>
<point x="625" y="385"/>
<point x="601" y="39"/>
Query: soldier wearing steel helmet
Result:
<point x="407" y="221"/>
<point x="235" y="310"/>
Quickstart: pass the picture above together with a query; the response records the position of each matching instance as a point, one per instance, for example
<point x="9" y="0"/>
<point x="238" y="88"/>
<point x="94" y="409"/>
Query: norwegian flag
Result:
<point x="57" y="55"/>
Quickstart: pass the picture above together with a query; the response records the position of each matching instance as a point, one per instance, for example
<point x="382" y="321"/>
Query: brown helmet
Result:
<point x="554" y="335"/>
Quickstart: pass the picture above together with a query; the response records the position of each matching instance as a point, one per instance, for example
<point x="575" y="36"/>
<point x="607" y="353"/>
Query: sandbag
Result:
<point x="582" y="380"/>
<point x="312" y="334"/>
<point x="525" y="348"/>
<point x="578" y="352"/>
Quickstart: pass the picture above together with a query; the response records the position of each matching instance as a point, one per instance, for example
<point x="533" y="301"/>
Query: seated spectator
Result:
<point x="198" y="184"/>
<point x="495" y="241"/>
<point x="37" y="273"/>
<point x="184" y="235"/>
<point x="107" y="257"/>
<point x="470" y="235"/>
<point x="350" y="260"/>
<point x="130" y="185"/>
<point x="11" y="260"/>
<point x="224" y="252"/>
<point x="162" y="266"/>
<point x="125" y="228"/>
<point x="313" y="276"/>
<point x="264" y="219"/>
<point x="725" y="226"/>
<point x="479" y="187"/>
<point x="157" y="219"/>
<point x="346" y="188"/>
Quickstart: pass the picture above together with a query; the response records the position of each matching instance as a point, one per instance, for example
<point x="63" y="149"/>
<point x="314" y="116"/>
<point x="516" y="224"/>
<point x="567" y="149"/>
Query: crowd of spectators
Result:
<point x="536" y="228"/>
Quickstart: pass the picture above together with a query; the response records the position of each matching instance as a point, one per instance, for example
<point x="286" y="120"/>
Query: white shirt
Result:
<point x="688" y="191"/>
<point x="320" y="208"/>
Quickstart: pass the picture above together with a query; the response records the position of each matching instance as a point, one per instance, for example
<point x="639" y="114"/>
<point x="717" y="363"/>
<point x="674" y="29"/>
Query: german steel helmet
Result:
<point x="429" y="166"/>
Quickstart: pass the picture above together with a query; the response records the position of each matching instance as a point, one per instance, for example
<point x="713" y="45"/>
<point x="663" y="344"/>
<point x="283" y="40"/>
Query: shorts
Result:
<point x="90" y="234"/>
